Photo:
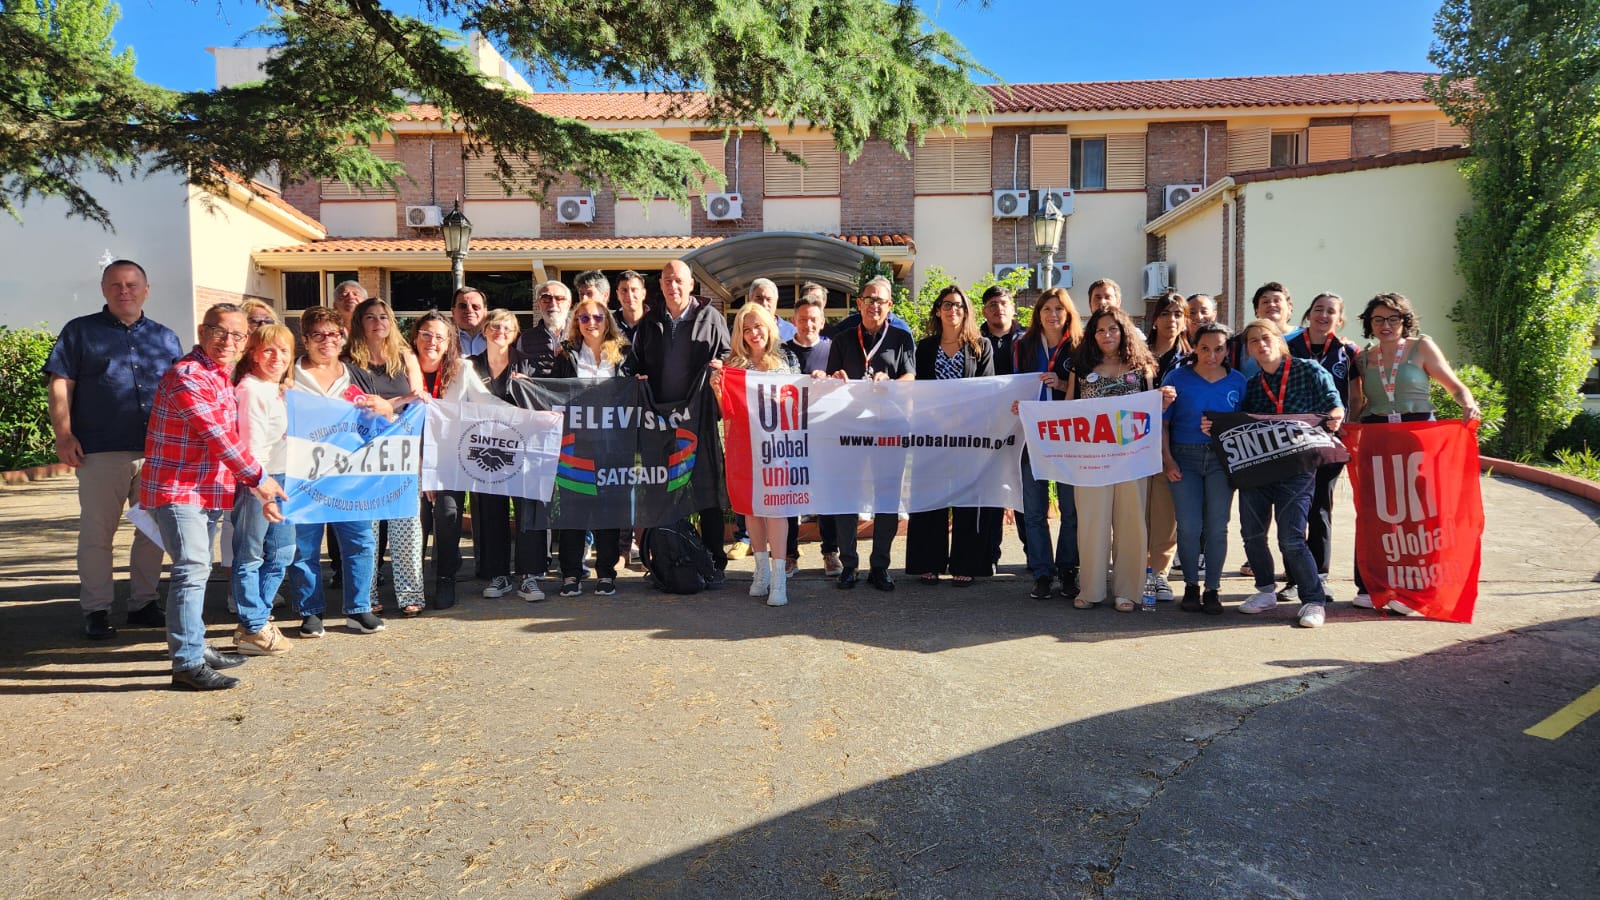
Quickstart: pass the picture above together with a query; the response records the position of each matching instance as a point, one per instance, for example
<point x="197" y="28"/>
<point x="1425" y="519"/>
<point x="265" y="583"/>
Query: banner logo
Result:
<point x="680" y="465"/>
<point x="491" y="451"/>
<point x="1122" y="427"/>
<point x="575" y="473"/>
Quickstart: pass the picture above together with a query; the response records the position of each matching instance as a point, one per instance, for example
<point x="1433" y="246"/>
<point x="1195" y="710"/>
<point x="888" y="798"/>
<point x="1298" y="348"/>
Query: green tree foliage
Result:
<point x="860" y="68"/>
<point x="25" y="435"/>
<point x="1491" y="404"/>
<point x="1524" y="78"/>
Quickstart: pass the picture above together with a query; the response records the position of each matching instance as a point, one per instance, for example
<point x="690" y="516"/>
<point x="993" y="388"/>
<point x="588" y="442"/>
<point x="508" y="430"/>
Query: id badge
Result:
<point x="1394" y="418"/>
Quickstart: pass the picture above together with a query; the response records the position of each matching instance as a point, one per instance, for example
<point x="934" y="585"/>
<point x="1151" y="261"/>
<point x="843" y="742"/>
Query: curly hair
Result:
<point x="1410" y="327"/>
<point x="613" y="346"/>
<point x="1131" y="348"/>
<point x="451" y="362"/>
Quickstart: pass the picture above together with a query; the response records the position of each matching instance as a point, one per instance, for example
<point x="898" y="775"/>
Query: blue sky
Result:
<point x="1020" y="40"/>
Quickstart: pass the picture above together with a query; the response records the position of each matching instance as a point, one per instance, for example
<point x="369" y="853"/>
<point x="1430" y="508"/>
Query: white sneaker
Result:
<point x="529" y="590"/>
<point x="1362" y="600"/>
<point x="1395" y="606"/>
<point x="499" y="587"/>
<point x="1312" y="615"/>
<point x="1259" y="603"/>
<point x="763" y="580"/>
<point x="1162" y="589"/>
<point x="778" y="590"/>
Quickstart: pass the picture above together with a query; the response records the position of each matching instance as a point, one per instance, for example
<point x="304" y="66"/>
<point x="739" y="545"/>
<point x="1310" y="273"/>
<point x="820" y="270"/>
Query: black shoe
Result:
<point x="311" y="627"/>
<point x="1289" y="594"/>
<point x="716" y="580"/>
<point x="1069" y="584"/>
<point x="572" y="588"/>
<point x="97" y="625"/>
<point x="444" y="593"/>
<point x="1191" y="598"/>
<point x="202" y="678"/>
<point x="1210" y="603"/>
<point x="847" y="579"/>
<point x="880" y="579"/>
<point x="606" y="587"/>
<point x="222" y="659"/>
<point x="364" y="623"/>
<point x="147" y="616"/>
<point x="1041" y="588"/>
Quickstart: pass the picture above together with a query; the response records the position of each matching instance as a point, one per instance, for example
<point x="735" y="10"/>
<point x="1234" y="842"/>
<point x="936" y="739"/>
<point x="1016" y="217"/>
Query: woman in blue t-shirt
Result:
<point x="1201" y="494"/>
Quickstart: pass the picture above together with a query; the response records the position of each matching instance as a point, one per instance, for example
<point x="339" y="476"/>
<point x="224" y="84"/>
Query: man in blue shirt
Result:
<point x="103" y="373"/>
<point x="468" y="310"/>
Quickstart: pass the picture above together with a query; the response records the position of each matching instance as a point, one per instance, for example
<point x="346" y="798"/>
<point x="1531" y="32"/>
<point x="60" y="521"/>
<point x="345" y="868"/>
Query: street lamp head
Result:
<point x="1047" y="224"/>
<point x="457" y="232"/>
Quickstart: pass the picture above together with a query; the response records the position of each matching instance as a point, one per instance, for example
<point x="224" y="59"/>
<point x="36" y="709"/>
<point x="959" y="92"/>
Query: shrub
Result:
<point x="1491" y="402"/>
<point x="25" y="435"/>
<point x="1582" y="433"/>
<point x="1578" y="463"/>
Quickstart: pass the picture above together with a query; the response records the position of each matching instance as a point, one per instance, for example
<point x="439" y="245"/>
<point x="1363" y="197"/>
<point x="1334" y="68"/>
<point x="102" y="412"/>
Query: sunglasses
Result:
<point x="257" y="323"/>
<point x="591" y="318"/>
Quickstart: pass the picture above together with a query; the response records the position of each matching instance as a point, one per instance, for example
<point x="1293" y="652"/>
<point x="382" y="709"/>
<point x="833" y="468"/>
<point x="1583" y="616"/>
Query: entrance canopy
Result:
<point x="726" y="268"/>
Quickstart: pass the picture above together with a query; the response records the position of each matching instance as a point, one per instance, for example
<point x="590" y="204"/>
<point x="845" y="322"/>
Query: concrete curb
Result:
<point x="1567" y="484"/>
<point x="34" y="473"/>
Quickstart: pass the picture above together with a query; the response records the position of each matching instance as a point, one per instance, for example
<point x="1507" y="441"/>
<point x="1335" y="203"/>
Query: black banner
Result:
<point x="625" y="460"/>
<point x="1258" y="450"/>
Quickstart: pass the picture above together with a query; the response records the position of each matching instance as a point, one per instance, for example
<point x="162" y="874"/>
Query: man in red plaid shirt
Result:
<point x="194" y="463"/>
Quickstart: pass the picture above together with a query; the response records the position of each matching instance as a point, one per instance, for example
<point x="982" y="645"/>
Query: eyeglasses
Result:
<point x="1387" y="320"/>
<point x="322" y="337"/>
<point x="429" y="337"/>
<point x="223" y="334"/>
<point x="257" y="323"/>
<point x="552" y="298"/>
<point x="591" y="318"/>
<point x="943" y="305"/>
<point x="876" y="301"/>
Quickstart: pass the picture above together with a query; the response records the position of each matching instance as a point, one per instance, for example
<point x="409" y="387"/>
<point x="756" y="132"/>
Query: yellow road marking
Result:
<point x="1567" y="717"/>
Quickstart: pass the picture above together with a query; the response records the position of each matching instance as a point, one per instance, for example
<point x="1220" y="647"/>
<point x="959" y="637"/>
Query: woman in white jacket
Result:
<point x="262" y="550"/>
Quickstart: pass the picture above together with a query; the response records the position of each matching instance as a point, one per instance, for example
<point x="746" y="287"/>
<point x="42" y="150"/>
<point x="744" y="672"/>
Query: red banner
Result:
<point x="1419" y="514"/>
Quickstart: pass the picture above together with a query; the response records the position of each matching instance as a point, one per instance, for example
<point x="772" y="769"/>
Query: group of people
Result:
<point x="199" y="438"/>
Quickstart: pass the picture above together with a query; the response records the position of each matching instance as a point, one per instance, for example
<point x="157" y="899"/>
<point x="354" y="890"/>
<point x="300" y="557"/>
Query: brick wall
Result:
<point x="1223" y="298"/>
<point x="1370" y="135"/>
<point x="605" y="211"/>
<point x="1240" y="297"/>
<point x="876" y="192"/>
<point x="371" y="278"/>
<point x="1181" y="153"/>
<point x="1011" y="240"/>
<point x="305" y="196"/>
<point x="438" y="181"/>
<point x="744" y="157"/>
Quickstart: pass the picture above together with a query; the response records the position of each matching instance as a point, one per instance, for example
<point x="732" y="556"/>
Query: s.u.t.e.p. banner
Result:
<point x="1419" y="514"/>
<point x="803" y="446"/>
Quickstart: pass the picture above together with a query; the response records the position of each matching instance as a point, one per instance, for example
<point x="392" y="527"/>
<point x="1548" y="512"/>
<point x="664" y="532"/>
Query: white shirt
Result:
<point x="263" y="421"/>
<point x="590" y="367"/>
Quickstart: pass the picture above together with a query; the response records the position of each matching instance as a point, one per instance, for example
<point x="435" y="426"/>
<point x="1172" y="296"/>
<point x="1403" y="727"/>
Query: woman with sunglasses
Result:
<point x="385" y="366"/>
<point x="594" y="348"/>
<point x="1392" y="383"/>
<point x="500" y="362"/>
<point x="323" y="373"/>
<point x="957" y="539"/>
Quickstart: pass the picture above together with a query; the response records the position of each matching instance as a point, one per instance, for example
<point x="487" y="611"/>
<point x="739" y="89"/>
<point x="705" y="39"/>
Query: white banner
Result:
<point x="797" y="445"/>
<point x="491" y="448"/>
<point x="1092" y="443"/>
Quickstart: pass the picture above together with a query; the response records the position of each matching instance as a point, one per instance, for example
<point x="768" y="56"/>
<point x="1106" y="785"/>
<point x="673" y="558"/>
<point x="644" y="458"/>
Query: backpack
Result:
<point x="677" y="561"/>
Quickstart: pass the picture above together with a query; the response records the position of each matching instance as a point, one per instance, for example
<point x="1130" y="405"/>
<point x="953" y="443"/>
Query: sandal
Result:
<point x="961" y="581"/>
<point x="928" y="578"/>
<point x="411" y="610"/>
<point x="1082" y="603"/>
<point x="1123" y="604"/>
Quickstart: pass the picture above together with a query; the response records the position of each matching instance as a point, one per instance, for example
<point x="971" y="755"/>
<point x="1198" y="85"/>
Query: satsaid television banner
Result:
<point x="1419" y="514"/>
<point x="625" y="461"/>
<point x="803" y="446"/>
<point x="1093" y="443"/>
<point x="490" y="449"/>
<point x="348" y="464"/>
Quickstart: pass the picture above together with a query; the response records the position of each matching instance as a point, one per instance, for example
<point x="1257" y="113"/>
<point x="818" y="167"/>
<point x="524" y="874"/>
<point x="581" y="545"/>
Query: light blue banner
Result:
<point x="348" y="464"/>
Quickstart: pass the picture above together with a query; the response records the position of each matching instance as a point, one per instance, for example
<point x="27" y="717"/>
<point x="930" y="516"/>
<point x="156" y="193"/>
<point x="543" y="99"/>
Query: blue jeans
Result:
<point x="1291" y="498"/>
<point x="262" y="552"/>
<point x="1202" y="500"/>
<point x="187" y="531"/>
<point x="358" y="547"/>
<point x="1036" y="525"/>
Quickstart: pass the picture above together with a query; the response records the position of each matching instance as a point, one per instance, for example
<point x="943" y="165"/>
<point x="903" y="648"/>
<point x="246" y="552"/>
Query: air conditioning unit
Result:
<point x="724" y="207"/>
<point x="1180" y="193"/>
<point x="1004" y="270"/>
<point x="1010" y="204"/>
<point x="424" y="216"/>
<point x="575" y="210"/>
<point x="1063" y="199"/>
<point x="1157" y="278"/>
<point x="1060" y="276"/>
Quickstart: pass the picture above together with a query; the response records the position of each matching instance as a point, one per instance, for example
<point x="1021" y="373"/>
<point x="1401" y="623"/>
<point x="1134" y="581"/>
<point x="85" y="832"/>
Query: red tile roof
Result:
<point x="1207" y="93"/>
<point x="1339" y="89"/>
<point x="269" y="197"/>
<point x="553" y="245"/>
<point x="1360" y="164"/>
<point x="876" y="240"/>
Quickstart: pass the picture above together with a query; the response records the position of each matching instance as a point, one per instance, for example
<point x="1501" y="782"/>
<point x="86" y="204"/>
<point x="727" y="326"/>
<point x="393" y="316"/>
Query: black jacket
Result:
<point x="975" y="367"/>
<point x="707" y="330"/>
<point x="539" y="347"/>
<point x="566" y="366"/>
<point x="1002" y="345"/>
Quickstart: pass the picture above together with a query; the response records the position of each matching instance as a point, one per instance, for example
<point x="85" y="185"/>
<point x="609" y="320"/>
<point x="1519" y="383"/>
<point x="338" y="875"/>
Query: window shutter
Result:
<point x="1447" y="135"/>
<point x="1327" y="142"/>
<point x="482" y="182"/>
<point x="1125" y="162"/>
<point x="1249" y="148"/>
<point x="334" y="189"/>
<point x="715" y="153"/>
<point x="969" y="165"/>
<point x="1411" y="136"/>
<point x="819" y="177"/>
<point x="1049" y="161"/>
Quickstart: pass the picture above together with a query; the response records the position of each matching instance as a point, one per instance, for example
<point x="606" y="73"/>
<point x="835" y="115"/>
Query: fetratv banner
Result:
<point x="1419" y="515"/>
<point x="348" y="464"/>
<point x="1093" y="443"/>
<point x="803" y="446"/>
<point x="490" y="449"/>
<point x="624" y="460"/>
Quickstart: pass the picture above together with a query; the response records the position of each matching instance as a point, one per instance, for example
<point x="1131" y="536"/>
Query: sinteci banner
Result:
<point x="491" y="449"/>
<point x="348" y="464"/>
<point x="625" y="461"/>
<point x="1094" y="443"/>
<point x="1258" y="450"/>
<point x="803" y="446"/>
<point x="1419" y="515"/>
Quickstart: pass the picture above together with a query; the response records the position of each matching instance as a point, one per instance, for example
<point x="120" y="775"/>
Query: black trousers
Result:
<point x="500" y="537"/>
<point x="441" y="517"/>
<point x="606" y="544"/>
<point x="711" y="534"/>
<point x="884" y="528"/>
<point x="1319" y="520"/>
<point x="957" y="540"/>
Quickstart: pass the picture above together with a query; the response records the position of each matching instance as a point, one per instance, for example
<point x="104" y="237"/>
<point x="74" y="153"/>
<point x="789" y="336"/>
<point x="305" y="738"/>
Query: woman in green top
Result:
<point x="1393" y="383"/>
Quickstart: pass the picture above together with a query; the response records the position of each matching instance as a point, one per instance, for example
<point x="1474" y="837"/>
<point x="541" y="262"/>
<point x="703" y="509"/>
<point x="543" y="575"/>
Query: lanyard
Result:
<point x="1387" y="379"/>
<point x="1065" y="337"/>
<point x="866" y="356"/>
<point x="1283" y="384"/>
<point x="1333" y="347"/>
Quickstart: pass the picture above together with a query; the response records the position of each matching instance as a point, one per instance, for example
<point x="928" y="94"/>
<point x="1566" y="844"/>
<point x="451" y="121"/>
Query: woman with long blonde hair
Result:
<point x="262" y="550"/>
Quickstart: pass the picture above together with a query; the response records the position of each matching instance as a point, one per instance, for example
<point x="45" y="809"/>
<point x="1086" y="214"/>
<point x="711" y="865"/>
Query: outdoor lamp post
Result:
<point x="1047" y="223"/>
<point x="457" y="234"/>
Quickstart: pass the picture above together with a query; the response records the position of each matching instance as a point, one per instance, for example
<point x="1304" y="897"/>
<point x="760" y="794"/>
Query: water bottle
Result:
<point x="1149" y="604"/>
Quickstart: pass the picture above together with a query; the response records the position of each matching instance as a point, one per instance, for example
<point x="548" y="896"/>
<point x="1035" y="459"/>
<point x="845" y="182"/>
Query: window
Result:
<point x="481" y="179"/>
<point x="334" y="189"/>
<point x="1286" y="149"/>
<point x="302" y="290"/>
<point x="952" y="166"/>
<point x="422" y="291"/>
<point x="1089" y="164"/>
<point x="1049" y="161"/>
<point x="819" y="177"/>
